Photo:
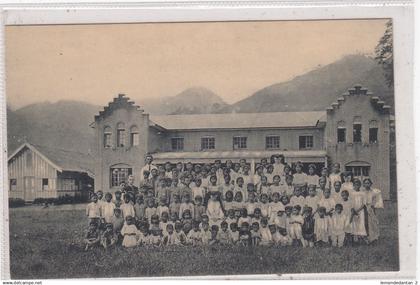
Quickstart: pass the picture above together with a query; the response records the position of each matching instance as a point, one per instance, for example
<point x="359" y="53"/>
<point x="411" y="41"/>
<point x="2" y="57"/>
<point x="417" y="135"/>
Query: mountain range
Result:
<point x="66" y="123"/>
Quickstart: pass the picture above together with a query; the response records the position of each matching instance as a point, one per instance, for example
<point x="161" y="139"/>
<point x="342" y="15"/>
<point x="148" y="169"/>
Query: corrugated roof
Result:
<point x="64" y="159"/>
<point x="240" y="120"/>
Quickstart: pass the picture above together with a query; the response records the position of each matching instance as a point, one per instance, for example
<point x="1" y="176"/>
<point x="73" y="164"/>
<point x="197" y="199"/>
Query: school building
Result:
<point x="36" y="171"/>
<point x="353" y="131"/>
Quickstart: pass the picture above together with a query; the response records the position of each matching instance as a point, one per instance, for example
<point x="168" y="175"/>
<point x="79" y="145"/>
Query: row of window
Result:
<point x="134" y="137"/>
<point x="357" y="134"/>
<point x="240" y="142"/>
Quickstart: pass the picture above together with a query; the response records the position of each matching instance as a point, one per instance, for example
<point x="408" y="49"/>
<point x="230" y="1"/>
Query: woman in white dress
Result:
<point x="359" y="201"/>
<point x="373" y="201"/>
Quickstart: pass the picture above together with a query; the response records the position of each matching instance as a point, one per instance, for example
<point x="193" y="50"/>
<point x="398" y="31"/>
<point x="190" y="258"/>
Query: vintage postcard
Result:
<point x="153" y="149"/>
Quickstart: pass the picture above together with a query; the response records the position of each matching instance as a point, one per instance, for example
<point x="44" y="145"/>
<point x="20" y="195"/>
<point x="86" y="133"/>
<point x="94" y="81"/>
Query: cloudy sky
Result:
<point x="93" y="63"/>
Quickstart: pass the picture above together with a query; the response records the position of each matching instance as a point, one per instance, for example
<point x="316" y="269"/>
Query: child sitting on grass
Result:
<point x="234" y="233"/>
<point x="224" y="233"/>
<point x="255" y="234"/>
<point x="266" y="238"/>
<point x="92" y="236"/>
<point x="108" y="238"/>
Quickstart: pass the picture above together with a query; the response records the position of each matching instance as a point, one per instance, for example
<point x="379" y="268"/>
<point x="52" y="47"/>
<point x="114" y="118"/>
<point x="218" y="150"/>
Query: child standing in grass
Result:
<point x="107" y="209"/>
<point x="129" y="232"/>
<point x="312" y="200"/>
<point x="93" y="210"/>
<point x="322" y="227"/>
<point x="339" y="223"/>
<point x="308" y="227"/>
<point x="139" y="207"/>
<point x="127" y="208"/>
<point x="296" y="222"/>
<point x="92" y="236"/>
<point x="117" y="223"/>
<point x="199" y="208"/>
<point x="214" y="209"/>
<point x="150" y="210"/>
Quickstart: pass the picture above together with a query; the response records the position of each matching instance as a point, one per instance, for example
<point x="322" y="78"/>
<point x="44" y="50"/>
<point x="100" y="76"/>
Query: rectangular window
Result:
<point x="306" y="142"/>
<point x="67" y="184"/>
<point x="119" y="175"/>
<point x="120" y="138"/>
<point x="208" y="143"/>
<point x="107" y="140"/>
<point x="177" y="144"/>
<point x="239" y="142"/>
<point x="272" y="142"/>
<point x="373" y="135"/>
<point x="341" y="135"/>
<point x="45" y="184"/>
<point x="134" y="139"/>
<point x="359" y="171"/>
<point x="357" y="133"/>
<point x="13" y="184"/>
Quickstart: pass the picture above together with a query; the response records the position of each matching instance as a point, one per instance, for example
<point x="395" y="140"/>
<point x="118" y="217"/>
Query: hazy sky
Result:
<point x="93" y="63"/>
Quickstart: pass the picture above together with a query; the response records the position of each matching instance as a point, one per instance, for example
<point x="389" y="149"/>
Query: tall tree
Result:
<point x="384" y="54"/>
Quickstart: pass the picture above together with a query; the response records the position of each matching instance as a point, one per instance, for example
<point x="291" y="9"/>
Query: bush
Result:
<point x="39" y="201"/>
<point x="16" y="202"/>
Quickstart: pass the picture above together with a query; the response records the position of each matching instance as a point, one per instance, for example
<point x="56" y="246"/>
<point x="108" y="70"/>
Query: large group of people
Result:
<point x="224" y="203"/>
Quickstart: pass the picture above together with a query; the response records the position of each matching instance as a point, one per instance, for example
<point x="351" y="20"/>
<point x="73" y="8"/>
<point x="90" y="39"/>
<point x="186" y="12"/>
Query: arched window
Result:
<point x="373" y="131"/>
<point x="120" y="135"/>
<point x="134" y="136"/>
<point x="357" y="129"/>
<point x="341" y="132"/>
<point x="107" y="137"/>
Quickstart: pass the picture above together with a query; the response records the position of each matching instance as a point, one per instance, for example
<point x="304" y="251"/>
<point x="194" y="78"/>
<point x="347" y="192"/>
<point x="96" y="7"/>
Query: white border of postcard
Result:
<point x="402" y="14"/>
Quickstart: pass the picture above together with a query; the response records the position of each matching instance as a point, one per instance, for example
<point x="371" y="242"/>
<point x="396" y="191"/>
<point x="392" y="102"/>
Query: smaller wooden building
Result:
<point x="43" y="172"/>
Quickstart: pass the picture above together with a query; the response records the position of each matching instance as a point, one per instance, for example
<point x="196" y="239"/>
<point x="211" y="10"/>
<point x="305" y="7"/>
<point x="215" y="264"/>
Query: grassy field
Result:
<point x="47" y="243"/>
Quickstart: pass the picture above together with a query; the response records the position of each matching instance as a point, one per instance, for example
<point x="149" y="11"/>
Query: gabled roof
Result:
<point x="240" y="120"/>
<point x="121" y="101"/>
<point x="60" y="159"/>
<point x="358" y="90"/>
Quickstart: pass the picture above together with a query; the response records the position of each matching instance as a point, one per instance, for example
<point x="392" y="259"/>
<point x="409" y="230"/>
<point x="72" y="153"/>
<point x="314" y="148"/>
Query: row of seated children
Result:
<point x="292" y="218"/>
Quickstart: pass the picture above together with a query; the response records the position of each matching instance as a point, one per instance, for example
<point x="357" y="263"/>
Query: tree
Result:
<point x="384" y="54"/>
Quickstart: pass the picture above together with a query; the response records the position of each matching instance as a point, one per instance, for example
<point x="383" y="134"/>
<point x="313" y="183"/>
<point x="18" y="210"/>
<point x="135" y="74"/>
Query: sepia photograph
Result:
<point x="201" y="148"/>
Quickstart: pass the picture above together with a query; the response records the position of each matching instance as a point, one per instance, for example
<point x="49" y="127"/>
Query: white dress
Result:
<point x="130" y="233"/>
<point x="358" y="199"/>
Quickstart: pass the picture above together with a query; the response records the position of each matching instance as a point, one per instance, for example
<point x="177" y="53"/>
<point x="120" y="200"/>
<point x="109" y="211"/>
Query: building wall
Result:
<point x="289" y="138"/>
<point x="377" y="154"/>
<point x="19" y="168"/>
<point x="130" y="156"/>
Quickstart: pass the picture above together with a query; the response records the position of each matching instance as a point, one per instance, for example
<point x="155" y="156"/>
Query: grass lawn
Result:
<point x="47" y="243"/>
